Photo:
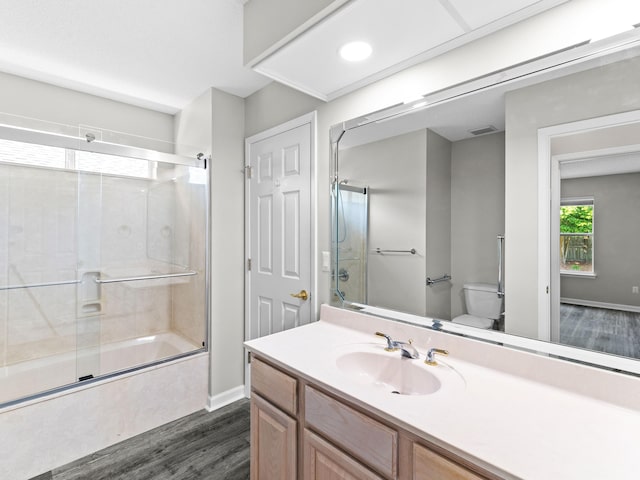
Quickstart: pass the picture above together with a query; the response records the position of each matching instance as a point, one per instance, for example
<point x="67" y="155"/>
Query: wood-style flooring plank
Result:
<point x="200" y="446"/>
<point x="610" y="331"/>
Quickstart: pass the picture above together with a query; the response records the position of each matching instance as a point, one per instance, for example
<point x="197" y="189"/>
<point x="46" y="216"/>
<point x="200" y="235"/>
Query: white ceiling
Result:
<point x="159" y="54"/>
<point x="402" y="33"/>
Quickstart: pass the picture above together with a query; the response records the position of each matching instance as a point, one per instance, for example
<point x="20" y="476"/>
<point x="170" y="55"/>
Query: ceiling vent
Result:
<point x="483" y="130"/>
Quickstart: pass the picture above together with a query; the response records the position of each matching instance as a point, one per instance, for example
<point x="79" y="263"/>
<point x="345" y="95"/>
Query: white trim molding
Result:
<point x="592" y="303"/>
<point x="548" y="213"/>
<point x="310" y="118"/>
<point x="225" y="398"/>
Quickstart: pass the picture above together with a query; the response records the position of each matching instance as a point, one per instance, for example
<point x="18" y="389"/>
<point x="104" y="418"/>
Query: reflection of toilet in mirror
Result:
<point x="484" y="306"/>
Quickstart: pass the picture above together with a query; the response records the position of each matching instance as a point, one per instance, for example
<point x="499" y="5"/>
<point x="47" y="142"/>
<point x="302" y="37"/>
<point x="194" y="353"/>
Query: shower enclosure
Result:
<point x="102" y="260"/>
<point x="350" y="205"/>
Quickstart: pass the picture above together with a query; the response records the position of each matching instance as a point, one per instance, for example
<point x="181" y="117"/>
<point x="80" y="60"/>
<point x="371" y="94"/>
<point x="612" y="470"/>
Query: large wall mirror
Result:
<point x="506" y="208"/>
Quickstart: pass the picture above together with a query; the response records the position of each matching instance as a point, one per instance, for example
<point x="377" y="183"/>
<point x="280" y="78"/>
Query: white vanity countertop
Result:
<point x="515" y="427"/>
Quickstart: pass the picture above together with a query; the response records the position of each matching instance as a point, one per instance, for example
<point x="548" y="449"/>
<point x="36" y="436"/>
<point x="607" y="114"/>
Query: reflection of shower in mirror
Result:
<point x="350" y="240"/>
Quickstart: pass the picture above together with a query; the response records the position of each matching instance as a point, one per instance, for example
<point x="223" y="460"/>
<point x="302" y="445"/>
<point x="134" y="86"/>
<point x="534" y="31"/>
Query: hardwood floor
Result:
<point x="200" y="446"/>
<point x="601" y="329"/>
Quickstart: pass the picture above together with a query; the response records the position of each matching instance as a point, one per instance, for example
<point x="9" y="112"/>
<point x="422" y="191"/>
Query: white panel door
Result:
<point x="279" y="230"/>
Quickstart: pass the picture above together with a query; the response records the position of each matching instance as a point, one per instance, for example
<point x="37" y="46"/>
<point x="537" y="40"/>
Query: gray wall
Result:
<point x="616" y="234"/>
<point x="227" y="243"/>
<point x="477" y="212"/>
<point x="461" y="199"/>
<point x="397" y="205"/>
<point x="438" y="225"/>
<point x="276" y="104"/>
<point x="41" y="101"/>
<point x="214" y="123"/>
<point x="612" y="89"/>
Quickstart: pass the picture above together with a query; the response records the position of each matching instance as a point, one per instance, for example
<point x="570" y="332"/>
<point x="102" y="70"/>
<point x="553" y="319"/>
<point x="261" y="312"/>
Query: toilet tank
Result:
<point x="482" y="300"/>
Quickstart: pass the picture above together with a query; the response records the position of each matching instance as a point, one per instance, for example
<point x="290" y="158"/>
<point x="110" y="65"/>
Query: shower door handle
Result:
<point x="302" y="295"/>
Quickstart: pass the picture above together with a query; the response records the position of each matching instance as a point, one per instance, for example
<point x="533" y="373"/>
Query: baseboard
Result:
<point x="225" y="398"/>
<point x="610" y="306"/>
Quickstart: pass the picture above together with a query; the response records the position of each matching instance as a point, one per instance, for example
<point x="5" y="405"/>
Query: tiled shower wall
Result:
<point x="128" y="228"/>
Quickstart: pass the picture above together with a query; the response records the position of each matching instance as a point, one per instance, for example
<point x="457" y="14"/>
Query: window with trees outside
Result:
<point x="576" y="236"/>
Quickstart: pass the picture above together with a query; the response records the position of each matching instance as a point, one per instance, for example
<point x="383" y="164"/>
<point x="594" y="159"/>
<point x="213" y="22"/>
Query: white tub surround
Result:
<point x="516" y="414"/>
<point x="49" y="432"/>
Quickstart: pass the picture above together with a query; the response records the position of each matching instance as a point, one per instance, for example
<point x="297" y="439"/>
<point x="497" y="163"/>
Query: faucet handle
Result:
<point x="390" y="343"/>
<point x="431" y="355"/>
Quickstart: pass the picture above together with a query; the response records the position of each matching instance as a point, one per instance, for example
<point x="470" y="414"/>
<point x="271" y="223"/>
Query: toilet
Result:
<point x="483" y="305"/>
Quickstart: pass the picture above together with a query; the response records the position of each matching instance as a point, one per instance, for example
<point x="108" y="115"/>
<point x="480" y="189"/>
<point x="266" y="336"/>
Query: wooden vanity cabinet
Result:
<point x="274" y="427"/>
<point x="300" y="431"/>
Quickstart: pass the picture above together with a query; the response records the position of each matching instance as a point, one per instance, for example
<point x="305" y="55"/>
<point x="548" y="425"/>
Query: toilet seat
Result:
<point x="473" y="321"/>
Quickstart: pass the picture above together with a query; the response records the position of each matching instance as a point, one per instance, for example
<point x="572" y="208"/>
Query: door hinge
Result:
<point x="547" y="288"/>
<point x="248" y="264"/>
<point x="247" y="171"/>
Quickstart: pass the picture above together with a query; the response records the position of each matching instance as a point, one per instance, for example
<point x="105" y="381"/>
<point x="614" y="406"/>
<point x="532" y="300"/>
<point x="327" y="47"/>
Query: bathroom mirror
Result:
<point x="523" y="185"/>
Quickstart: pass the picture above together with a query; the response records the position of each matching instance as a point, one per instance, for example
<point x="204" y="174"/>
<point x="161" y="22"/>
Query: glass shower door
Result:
<point x="38" y="222"/>
<point x="102" y="261"/>
<point x="141" y="241"/>
<point x="89" y="300"/>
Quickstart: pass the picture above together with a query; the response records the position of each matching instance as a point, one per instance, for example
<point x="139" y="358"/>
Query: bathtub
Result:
<point x="34" y="377"/>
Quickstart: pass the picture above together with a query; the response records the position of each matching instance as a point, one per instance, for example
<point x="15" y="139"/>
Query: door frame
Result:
<point x="548" y="200"/>
<point x="311" y="119"/>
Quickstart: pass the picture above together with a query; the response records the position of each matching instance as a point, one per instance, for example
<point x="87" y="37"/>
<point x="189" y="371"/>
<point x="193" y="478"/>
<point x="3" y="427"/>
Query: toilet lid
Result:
<point x="473" y="321"/>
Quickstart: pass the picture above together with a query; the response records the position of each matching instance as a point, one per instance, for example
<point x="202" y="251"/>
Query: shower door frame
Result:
<point x="90" y="144"/>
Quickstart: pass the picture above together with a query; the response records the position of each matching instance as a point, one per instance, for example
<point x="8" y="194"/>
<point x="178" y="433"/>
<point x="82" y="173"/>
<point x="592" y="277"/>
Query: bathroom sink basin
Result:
<point x="390" y="372"/>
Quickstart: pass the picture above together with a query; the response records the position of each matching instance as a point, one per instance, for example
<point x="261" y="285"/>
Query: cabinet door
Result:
<point x="273" y="442"/>
<point x="428" y="465"/>
<point x="322" y="461"/>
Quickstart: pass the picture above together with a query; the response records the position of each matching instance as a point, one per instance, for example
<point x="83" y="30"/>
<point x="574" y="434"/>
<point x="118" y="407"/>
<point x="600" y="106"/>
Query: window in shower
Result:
<point x="102" y="263"/>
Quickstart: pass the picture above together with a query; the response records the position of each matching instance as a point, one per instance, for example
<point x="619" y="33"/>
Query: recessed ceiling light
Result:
<point x="355" y="51"/>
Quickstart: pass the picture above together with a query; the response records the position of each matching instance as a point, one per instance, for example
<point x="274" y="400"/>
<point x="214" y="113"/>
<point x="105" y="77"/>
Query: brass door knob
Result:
<point x="303" y="295"/>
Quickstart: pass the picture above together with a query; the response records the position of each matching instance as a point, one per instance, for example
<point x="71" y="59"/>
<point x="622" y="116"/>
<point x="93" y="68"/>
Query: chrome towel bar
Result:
<point x="146" y="277"/>
<point x="443" y="278"/>
<point x="42" y="284"/>
<point x="500" y="266"/>
<point x="97" y="280"/>
<point x="413" y="251"/>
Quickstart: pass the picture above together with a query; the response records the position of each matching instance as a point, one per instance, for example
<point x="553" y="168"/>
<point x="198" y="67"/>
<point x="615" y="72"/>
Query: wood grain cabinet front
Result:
<point x="368" y="440"/>
<point x="429" y="465"/>
<point x="276" y="386"/>
<point x="323" y="461"/>
<point x="273" y="442"/>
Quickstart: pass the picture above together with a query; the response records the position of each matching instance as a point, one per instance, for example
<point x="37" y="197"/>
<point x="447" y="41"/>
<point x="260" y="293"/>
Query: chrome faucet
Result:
<point x="431" y="355"/>
<point x="407" y="350"/>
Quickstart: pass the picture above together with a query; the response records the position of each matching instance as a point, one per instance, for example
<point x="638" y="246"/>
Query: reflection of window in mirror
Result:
<point x="576" y="236"/>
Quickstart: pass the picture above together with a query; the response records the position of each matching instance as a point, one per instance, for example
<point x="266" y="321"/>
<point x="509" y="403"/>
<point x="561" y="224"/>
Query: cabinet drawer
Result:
<point x="278" y="387"/>
<point x="428" y="465"/>
<point x="373" y="443"/>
